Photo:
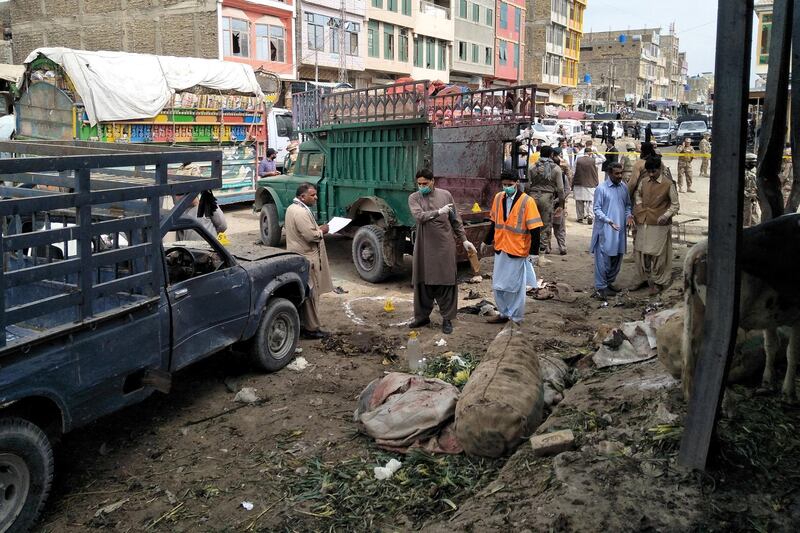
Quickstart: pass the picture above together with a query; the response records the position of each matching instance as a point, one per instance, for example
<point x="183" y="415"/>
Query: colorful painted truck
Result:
<point x="106" y="96"/>
<point x="363" y="147"/>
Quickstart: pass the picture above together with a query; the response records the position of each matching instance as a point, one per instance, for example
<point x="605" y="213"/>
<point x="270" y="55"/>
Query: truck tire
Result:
<point x="276" y="338"/>
<point x="368" y="255"/>
<point x="268" y="224"/>
<point x="26" y="473"/>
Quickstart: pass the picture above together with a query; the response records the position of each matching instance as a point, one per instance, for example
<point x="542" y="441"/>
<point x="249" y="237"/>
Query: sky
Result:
<point x="695" y="23"/>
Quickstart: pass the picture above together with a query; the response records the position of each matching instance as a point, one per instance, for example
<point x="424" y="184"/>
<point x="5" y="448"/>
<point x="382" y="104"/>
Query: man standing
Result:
<point x="593" y="129"/>
<point x="516" y="225"/>
<point x="560" y="212"/>
<point x="603" y="132"/>
<point x="305" y="237"/>
<point x="612" y="212"/>
<point x="584" y="182"/>
<point x="611" y="155"/>
<point x="628" y="159"/>
<point x="655" y="203"/>
<point x="434" y="265"/>
<point x="547" y="189"/>
<point x="685" y="164"/>
<point x="267" y="165"/>
<point x="648" y="133"/>
<point x="750" y="191"/>
<point x="705" y="149"/>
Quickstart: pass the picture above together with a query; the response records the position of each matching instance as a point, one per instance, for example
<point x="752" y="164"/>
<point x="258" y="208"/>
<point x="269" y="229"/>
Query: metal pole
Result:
<point x="316" y="68"/>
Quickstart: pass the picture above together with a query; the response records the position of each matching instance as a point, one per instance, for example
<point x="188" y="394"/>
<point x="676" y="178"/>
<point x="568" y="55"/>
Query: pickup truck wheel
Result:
<point x="368" y="254"/>
<point x="26" y="473"/>
<point x="268" y="223"/>
<point x="276" y="337"/>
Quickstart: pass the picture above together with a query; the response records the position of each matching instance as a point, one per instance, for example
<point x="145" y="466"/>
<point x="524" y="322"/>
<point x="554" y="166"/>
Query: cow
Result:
<point x="769" y="296"/>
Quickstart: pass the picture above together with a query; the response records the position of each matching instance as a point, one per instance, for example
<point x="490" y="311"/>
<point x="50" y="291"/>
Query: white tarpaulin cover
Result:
<point x="124" y="86"/>
<point x="12" y="73"/>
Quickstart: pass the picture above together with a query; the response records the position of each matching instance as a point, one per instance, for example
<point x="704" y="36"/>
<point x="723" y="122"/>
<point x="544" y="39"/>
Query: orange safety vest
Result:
<point x="513" y="235"/>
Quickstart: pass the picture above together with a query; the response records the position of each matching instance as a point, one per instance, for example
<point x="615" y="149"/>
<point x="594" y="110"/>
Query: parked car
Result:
<point x="573" y="129"/>
<point x="663" y="132"/>
<point x="537" y="132"/>
<point x="694" y="129"/>
<point x="549" y="124"/>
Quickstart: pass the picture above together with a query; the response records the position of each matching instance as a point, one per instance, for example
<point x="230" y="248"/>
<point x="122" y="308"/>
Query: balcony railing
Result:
<point x="433" y="10"/>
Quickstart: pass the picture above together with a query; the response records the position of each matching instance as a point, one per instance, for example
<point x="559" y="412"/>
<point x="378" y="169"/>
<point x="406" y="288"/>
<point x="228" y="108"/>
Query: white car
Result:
<point x="549" y="124"/>
<point x="573" y="129"/>
<point x="537" y="132"/>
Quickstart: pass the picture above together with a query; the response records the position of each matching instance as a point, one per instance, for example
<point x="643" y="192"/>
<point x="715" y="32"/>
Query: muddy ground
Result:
<point x="188" y="460"/>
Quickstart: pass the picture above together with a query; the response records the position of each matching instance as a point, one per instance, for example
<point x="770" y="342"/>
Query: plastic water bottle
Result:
<point x="413" y="352"/>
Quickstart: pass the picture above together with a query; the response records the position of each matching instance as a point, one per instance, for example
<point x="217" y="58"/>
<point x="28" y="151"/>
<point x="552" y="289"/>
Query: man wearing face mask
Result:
<point x="516" y="225"/>
<point x="434" y="266"/>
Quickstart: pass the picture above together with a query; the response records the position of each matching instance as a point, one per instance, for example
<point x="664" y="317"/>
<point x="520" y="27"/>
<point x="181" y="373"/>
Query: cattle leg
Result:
<point x="792" y="353"/>
<point x="771" y="346"/>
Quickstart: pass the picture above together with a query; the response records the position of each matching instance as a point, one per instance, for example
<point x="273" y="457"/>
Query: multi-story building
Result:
<point x="763" y="9"/>
<point x="509" y="41"/>
<point x="625" y="65"/>
<point x="259" y="33"/>
<point x="473" y="45"/>
<point x="331" y="39"/>
<point x="408" y="38"/>
<point x="676" y="79"/>
<point x="188" y="28"/>
<point x="553" y="45"/>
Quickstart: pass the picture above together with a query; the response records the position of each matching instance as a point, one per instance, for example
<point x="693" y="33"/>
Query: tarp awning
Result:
<point x="12" y="73"/>
<point x="125" y="86"/>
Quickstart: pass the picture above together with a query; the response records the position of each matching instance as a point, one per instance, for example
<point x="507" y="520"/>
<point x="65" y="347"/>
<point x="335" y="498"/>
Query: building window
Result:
<point x="517" y="18"/>
<point x="442" y="46"/>
<point x="490" y="17"/>
<point x="377" y="3"/>
<point x="418" y="52"/>
<point x="406" y="7"/>
<point x="316" y="31"/>
<point x="271" y="43"/>
<point x="488" y="55"/>
<point x="504" y="15"/>
<point x="235" y="37"/>
<point x="391" y="5"/>
<point x="766" y="33"/>
<point x="501" y="53"/>
<point x="402" y="45"/>
<point x="372" y="38"/>
<point x="430" y="53"/>
<point x="462" y="9"/>
<point x="476" y="53"/>
<point x="388" y="41"/>
<point x="516" y="54"/>
<point x="462" y="51"/>
<point x="351" y="38"/>
<point x="476" y="13"/>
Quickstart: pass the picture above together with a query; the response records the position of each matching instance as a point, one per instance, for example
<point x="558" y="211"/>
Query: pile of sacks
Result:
<point x="500" y="406"/>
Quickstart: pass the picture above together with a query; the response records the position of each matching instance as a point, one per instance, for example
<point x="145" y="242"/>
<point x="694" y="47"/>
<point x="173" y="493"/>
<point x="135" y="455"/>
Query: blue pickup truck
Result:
<point x="106" y="294"/>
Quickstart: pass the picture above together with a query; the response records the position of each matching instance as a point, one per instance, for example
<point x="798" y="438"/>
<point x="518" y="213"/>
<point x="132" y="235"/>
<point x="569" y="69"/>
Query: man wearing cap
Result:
<point x="685" y="164"/>
<point x="546" y="187"/>
<point x="292" y="149"/>
<point x="267" y="165"/>
<point x="627" y="159"/>
<point x="655" y="202"/>
<point x="515" y="229"/>
<point x="750" y="191"/>
<point x="434" y="270"/>
<point x="705" y="149"/>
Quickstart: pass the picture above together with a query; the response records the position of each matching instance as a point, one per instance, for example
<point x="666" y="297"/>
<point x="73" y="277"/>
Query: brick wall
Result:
<point x="166" y="27"/>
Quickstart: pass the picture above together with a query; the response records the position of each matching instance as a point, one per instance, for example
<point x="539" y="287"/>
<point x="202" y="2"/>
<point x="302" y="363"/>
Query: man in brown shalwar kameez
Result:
<point x="434" y="273"/>
<point x="305" y="237"/>
<point x="655" y="203"/>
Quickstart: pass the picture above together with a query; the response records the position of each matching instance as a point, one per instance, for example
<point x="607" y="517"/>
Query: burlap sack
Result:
<point x="501" y="403"/>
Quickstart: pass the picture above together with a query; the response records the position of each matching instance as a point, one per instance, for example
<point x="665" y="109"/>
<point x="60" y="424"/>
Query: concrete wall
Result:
<point x="167" y="27"/>
<point x="471" y="32"/>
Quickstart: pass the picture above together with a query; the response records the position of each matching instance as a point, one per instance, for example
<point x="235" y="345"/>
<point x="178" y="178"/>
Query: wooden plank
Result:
<point x="731" y="73"/>
<point x="773" y="128"/>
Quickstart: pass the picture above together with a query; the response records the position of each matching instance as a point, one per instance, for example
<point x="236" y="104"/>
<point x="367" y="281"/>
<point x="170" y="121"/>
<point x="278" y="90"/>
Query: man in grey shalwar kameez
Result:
<point x="434" y="272"/>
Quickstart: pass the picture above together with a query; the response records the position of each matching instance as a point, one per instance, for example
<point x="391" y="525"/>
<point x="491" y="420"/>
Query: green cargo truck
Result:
<point x="363" y="147"/>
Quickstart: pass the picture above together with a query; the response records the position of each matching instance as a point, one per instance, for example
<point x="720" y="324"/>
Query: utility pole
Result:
<point x="342" y="52"/>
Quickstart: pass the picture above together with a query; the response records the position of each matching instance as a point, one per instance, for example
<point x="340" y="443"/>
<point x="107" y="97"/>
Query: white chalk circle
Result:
<point x="362" y="320"/>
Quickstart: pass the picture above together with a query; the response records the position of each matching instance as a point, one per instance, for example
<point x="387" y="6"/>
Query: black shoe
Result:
<point x="590" y="221"/>
<point x="419" y="322"/>
<point x="563" y="251"/>
<point x="318" y="334"/>
<point x="600" y="294"/>
<point x="447" y="327"/>
<point x="612" y="289"/>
